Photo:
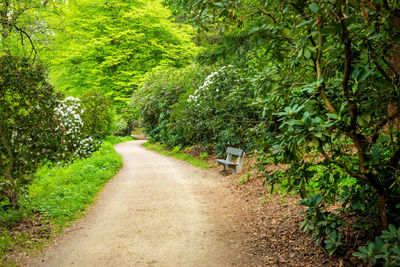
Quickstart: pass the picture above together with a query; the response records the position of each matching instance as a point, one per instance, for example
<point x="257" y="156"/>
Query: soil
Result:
<point x="160" y="211"/>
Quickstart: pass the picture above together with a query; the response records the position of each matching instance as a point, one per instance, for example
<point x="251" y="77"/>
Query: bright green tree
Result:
<point x="109" y="45"/>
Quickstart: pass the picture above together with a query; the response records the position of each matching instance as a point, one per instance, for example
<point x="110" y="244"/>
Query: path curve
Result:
<point x="157" y="211"/>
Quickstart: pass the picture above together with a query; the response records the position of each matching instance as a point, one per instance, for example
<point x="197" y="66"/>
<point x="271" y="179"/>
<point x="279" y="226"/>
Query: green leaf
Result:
<point x="307" y="53"/>
<point x="305" y="23"/>
<point x="360" y="255"/>
<point x="361" y="121"/>
<point x="300" y="52"/>
<point x="218" y="4"/>
<point x="332" y="116"/>
<point x="366" y="117"/>
<point x="314" y="7"/>
<point x="392" y="229"/>
<point x="363" y="249"/>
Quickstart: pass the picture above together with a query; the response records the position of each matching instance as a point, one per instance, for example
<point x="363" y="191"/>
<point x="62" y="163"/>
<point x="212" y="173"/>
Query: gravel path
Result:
<point x="157" y="211"/>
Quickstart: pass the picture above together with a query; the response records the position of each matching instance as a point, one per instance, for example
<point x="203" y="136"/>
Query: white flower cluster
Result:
<point x="70" y="124"/>
<point x="86" y="147"/>
<point x="70" y="127"/>
<point x="216" y="82"/>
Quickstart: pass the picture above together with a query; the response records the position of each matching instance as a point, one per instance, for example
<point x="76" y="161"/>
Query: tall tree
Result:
<point x="108" y="45"/>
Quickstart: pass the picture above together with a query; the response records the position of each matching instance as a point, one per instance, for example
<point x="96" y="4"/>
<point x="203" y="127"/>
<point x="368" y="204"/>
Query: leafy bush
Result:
<point x="385" y="251"/>
<point x="124" y="123"/>
<point x="219" y="112"/>
<point x="97" y="115"/>
<point x="72" y="142"/>
<point x="323" y="225"/>
<point x="28" y="125"/>
<point x="155" y="99"/>
<point x="35" y="125"/>
<point x="191" y="106"/>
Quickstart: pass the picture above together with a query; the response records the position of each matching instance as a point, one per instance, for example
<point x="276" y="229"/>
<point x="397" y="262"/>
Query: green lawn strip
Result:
<point x="60" y="195"/>
<point x="176" y="153"/>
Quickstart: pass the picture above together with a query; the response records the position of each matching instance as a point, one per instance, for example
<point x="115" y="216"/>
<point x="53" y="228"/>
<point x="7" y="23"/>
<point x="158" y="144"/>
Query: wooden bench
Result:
<point x="228" y="164"/>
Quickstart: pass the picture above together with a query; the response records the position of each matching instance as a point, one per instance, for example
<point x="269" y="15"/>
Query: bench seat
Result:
<point x="225" y="162"/>
<point x="228" y="164"/>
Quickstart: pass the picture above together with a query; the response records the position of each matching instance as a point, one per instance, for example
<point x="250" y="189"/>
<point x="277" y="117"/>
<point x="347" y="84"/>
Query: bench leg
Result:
<point x="235" y="170"/>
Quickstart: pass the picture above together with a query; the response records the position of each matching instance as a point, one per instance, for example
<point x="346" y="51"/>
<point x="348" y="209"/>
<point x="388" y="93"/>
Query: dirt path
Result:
<point x="157" y="211"/>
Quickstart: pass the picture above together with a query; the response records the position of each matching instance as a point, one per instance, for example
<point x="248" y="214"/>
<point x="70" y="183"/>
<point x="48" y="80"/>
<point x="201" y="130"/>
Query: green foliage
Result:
<point x="62" y="194"/>
<point x="27" y="123"/>
<point x="98" y="115"/>
<point x="192" y="106"/>
<point x="116" y="140"/>
<point x="323" y="225"/>
<point x="110" y="45"/>
<point x="24" y="28"/>
<point x="155" y="99"/>
<point x="218" y="112"/>
<point x="72" y="142"/>
<point x="385" y="251"/>
<point x="205" y="155"/>
<point x="326" y="78"/>
<point x="244" y="178"/>
<point x="59" y="195"/>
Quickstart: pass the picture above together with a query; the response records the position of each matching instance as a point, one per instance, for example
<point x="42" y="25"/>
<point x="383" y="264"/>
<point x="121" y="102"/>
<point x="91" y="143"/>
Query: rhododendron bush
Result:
<point x="72" y="141"/>
<point x="27" y="122"/>
<point x="36" y="125"/>
<point x="196" y="105"/>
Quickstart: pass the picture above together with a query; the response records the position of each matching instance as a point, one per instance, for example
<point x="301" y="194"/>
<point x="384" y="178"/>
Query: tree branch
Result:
<point x="350" y="172"/>
<point x="30" y="40"/>
<point x="321" y="87"/>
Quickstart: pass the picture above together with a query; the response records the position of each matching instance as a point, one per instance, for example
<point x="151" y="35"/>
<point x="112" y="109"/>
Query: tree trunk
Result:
<point x="394" y="56"/>
<point x="382" y="212"/>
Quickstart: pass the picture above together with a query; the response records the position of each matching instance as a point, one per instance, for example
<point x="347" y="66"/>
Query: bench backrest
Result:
<point x="234" y="151"/>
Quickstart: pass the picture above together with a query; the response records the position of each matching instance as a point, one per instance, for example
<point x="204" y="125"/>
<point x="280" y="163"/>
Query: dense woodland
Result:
<point x="311" y="86"/>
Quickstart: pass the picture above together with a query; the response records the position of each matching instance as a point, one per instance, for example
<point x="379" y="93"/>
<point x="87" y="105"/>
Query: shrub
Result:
<point x="385" y="251"/>
<point x="97" y="115"/>
<point x="218" y="112"/>
<point x="28" y="127"/>
<point x="124" y="123"/>
<point x="70" y="129"/>
<point x="155" y="99"/>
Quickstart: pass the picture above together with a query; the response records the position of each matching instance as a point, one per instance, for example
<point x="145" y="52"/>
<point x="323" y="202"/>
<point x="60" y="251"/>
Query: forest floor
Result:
<point x="160" y="211"/>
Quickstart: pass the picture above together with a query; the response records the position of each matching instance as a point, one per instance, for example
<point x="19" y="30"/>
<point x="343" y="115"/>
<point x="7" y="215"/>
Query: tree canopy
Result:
<point x="110" y="45"/>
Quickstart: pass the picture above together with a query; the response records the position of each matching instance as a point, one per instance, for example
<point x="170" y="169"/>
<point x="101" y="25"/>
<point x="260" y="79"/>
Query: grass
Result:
<point x="176" y="153"/>
<point x="59" y="195"/>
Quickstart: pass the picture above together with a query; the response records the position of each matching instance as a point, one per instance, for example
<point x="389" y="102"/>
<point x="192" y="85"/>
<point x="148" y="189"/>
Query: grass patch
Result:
<point x="176" y="153"/>
<point x="58" y="196"/>
<point x="61" y="194"/>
